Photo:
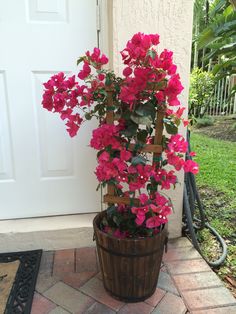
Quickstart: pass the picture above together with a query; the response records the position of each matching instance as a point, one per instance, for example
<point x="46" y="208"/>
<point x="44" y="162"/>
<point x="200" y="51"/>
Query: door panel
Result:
<point x="42" y="170"/>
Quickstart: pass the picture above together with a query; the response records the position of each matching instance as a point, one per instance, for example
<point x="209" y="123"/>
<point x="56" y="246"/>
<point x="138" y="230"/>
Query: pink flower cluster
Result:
<point x="149" y="81"/>
<point x="145" y="66"/>
<point x="157" y="208"/>
<point x="104" y="136"/>
<point x="175" y="151"/>
<point x="67" y="97"/>
<point x="96" y="60"/>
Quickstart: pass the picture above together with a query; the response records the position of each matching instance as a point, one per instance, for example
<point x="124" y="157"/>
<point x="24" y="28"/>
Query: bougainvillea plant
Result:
<point x="149" y="83"/>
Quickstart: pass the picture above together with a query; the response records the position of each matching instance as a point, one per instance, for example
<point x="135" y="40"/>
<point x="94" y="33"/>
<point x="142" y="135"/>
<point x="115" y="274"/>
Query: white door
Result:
<point x="42" y="170"/>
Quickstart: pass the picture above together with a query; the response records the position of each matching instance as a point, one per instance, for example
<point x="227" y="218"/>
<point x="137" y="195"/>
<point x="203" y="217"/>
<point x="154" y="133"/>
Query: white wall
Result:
<point x="172" y="20"/>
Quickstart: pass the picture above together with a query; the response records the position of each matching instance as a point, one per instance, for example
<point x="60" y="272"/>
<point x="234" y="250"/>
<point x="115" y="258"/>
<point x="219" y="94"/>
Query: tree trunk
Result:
<point x="195" y="57"/>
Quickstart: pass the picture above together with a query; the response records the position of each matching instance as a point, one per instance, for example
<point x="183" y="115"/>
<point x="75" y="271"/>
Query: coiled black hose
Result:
<point x="191" y="224"/>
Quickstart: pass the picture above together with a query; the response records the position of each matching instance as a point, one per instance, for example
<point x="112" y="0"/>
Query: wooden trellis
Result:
<point x="155" y="148"/>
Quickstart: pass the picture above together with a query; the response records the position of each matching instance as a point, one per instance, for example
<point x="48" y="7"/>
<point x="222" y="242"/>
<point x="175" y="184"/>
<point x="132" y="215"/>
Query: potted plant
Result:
<point x="136" y="161"/>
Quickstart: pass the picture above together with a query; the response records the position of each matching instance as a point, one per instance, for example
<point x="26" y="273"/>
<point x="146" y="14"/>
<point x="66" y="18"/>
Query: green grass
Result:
<point x="217" y="160"/>
<point x="217" y="183"/>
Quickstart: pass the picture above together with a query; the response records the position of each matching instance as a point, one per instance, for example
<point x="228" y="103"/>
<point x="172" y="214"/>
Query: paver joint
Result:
<point x="69" y="282"/>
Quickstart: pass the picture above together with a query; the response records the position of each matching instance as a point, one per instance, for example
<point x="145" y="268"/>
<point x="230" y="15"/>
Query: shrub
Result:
<point x="202" y="85"/>
<point x="233" y="127"/>
<point x="203" y="122"/>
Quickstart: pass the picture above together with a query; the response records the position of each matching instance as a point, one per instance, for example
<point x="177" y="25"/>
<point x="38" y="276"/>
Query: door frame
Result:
<point x="104" y="28"/>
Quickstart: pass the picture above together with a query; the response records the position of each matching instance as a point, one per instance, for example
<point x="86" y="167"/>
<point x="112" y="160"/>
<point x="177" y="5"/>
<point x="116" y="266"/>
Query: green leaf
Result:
<point x="217" y="7"/>
<point x="100" y="152"/>
<point x="88" y="116"/>
<point x="142" y="135"/>
<point x="164" y="163"/>
<point x="130" y="129"/>
<point x="117" y="219"/>
<point x="108" y="79"/>
<point x="110" y="210"/>
<point x="223" y="66"/>
<point x="150" y="130"/>
<point x="81" y="59"/>
<point x="221" y="49"/>
<point x="141" y="120"/>
<point x="171" y="128"/>
<point x="146" y="110"/>
<point x="126" y="115"/>
<point x="103" y="92"/>
<point x="138" y="160"/>
<point x="152" y="53"/>
<point x="225" y="28"/>
<point x="104" y="221"/>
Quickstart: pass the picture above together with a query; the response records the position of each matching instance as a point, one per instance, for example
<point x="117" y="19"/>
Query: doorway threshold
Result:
<point x="47" y="233"/>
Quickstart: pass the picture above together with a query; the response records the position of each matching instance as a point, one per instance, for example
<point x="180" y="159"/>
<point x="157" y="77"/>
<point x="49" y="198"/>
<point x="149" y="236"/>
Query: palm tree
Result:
<point x="219" y="38"/>
<point x="199" y="23"/>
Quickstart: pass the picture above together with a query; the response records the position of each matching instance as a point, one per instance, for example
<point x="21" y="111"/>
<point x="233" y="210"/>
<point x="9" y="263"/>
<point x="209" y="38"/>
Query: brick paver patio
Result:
<point x="69" y="281"/>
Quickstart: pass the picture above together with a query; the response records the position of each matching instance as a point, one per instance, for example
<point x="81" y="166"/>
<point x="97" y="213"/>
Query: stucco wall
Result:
<point x="172" y="20"/>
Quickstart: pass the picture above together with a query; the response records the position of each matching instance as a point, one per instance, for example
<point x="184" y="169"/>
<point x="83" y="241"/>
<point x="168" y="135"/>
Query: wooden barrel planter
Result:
<point x="129" y="267"/>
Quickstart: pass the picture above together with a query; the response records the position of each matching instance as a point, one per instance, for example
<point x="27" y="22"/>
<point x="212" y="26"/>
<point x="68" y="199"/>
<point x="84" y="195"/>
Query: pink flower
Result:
<point x="105" y="135"/>
<point x="172" y="69"/>
<point x="66" y="114"/>
<point x="125" y="155"/>
<point x="177" y="143"/>
<point x="107" y="229"/>
<point x="128" y="94"/>
<point x="179" y="112"/>
<point x="136" y="185"/>
<point x="140" y="213"/>
<point x="191" y="166"/>
<point x="143" y="198"/>
<point x="193" y="154"/>
<point x="119" y="234"/>
<point x="175" y="160"/>
<point x="47" y="101"/>
<point x="106" y="171"/>
<point x="120" y="165"/>
<point x="103" y="59"/>
<point x="127" y="71"/>
<point x="96" y="58"/>
<point x="73" y="124"/>
<point x="85" y="72"/>
<point x="153" y="222"/>
<point x="122" y="208"/>
<point x="160" y="199"/>
<point x="173" y="102"/>
<point x="173" y="89"/>
<point x="160" y="96"/>
<point x="165" y="178"/>
<point x="132" y="169"/>
<point x="104" y="157"/>
<point x="95" y="55"/>
<point x="155" y="39"/>
<point x="186" y="122"/>
<point x="169" y="179"/>
<point x="101" y="76"/>
<point x="137" y="48"/>
<point x="140" y="219"/>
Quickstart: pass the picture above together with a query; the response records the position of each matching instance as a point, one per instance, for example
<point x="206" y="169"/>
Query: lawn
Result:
<point x="217" y="161"/>
<point x="217" y="184"/>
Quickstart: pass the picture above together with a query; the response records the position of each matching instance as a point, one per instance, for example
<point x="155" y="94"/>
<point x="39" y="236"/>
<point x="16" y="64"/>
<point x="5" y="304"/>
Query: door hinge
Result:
<point x="98" y="13"/>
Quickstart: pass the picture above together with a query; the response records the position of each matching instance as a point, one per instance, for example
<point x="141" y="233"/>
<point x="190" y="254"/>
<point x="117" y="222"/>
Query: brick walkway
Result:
<point x="69" y="282"/>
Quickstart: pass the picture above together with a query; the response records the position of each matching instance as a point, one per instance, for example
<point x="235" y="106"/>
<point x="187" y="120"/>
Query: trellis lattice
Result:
<point x="156" y="149"/>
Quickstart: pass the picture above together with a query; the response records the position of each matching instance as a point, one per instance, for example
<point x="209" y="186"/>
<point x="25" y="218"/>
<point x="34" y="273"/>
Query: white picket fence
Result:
<point x="220" y="103"/>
